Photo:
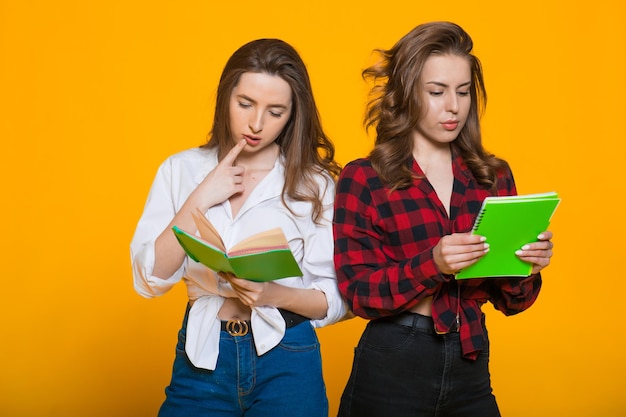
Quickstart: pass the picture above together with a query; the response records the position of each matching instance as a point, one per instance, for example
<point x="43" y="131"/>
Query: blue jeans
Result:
<point x="410" y="371"/>
<point x="286" y="381"/>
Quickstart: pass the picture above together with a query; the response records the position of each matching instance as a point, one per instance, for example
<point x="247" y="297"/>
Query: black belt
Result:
<point x="412" y="320"/>
<point x="292" y="319"/>
<point x="236" y="327"/>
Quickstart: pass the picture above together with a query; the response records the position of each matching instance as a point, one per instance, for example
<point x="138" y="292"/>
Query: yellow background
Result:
<point x="95" y="94"/>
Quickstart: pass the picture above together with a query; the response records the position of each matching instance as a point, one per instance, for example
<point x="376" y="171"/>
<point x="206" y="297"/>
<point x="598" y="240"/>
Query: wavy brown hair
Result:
<point x="396" y="107"/>
<point x="307" y="149"/>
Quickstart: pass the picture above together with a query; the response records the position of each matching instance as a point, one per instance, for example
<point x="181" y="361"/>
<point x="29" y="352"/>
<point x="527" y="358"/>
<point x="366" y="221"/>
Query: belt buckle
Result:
<point x="236" y="327"/>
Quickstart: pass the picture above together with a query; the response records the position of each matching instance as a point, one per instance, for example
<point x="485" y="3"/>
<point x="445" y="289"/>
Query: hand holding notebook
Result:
<point x="508" y="223"/>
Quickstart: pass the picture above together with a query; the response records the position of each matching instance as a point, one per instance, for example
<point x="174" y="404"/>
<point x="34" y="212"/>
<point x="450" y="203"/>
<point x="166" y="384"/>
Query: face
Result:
<point x="445" y="91"/>
<point x="260" y="106"/>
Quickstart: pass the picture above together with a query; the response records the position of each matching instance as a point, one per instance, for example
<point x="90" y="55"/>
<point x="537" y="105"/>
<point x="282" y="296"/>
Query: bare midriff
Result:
<point x="234" y="309"/>
<point x="424" y="307"/>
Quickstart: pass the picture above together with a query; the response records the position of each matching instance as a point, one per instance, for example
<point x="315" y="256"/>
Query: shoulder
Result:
<point x="358" y="172"/>
<point x="315" y="181"/>
<point x="190" y="160"/>
<point x="321" y="184"/>
<point x="357" y="164"/>
<point x="504" y="171"/>
<point x="191" y="156"/>
<point x="359" y="168"/>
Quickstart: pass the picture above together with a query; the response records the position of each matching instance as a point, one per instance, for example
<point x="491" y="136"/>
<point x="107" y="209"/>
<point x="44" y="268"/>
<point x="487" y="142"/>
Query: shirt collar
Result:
<point x="207" y="166"/>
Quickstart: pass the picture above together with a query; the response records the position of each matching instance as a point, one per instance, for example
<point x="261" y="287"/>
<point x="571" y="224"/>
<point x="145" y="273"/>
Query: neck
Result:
<point x="427" y="155"/>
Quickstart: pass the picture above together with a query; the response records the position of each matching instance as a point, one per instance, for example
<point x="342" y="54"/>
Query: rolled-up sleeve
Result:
<point x="514" y="295"/>
<point x="318" y="267"/>
<point x="158" y="212"/>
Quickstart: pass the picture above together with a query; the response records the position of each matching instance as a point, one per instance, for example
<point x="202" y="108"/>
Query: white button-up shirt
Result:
<point x="311" y="244"/>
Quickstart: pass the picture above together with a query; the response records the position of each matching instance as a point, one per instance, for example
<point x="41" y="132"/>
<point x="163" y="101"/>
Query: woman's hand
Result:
<point x="224" y="181"/>
<point x="538" y="253"/>
<point x="308" y="302"/>
<point x="251" y="293"/>
<point x="458" y="250"/>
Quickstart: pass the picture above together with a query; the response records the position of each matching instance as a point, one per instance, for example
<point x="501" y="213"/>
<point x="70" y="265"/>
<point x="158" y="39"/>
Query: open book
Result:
<point x="264" y="256"/>
<point x="509" y="223"/>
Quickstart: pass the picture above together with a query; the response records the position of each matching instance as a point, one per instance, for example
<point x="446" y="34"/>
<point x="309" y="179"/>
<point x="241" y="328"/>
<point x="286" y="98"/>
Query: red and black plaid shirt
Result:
<point x="383" y="251"/>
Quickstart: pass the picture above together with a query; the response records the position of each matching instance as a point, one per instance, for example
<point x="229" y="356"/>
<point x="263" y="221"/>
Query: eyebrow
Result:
<point x="245" y="97"/>
<point x="440" y="84"/>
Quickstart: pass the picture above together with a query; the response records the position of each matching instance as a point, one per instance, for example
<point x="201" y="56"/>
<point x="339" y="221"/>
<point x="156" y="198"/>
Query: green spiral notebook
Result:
<point x="508" y="223"/>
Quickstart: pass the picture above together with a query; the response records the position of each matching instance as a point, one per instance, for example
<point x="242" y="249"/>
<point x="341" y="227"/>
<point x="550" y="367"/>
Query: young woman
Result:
<point x="248" y="348"/>
<point x="402" y="222"/>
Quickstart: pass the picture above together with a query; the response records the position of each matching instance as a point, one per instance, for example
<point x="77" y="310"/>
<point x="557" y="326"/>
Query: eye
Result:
<point x="435" y="93"/>
<point x="277" y="115"/>
<point x="463" y="93"/>
<point x="244" y="105"/>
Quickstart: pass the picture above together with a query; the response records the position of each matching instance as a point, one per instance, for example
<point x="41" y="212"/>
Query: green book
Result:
<point x="262" y="257"/>
<point x="509" y="223"/>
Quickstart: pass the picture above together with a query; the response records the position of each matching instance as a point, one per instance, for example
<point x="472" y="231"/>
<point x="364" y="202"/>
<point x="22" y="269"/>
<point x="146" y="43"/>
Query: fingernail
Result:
<point x="525" y="247"/>
<point x="483" y="238"/>
<point x="518" y="252"/>
<point x="541" y="236"/>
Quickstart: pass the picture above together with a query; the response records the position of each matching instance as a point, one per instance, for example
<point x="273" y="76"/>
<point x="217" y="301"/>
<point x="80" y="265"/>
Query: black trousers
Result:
<point x="410" y="370"/>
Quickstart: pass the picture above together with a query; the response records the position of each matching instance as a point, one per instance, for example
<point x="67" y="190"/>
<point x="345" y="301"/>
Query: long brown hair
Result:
<point x="307" y="149"/>
<point x="396" y="108"/>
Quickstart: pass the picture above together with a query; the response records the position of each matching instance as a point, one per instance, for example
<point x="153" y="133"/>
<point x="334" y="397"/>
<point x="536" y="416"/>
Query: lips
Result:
<point x="450" y="124"/>
<point x="252" y="140"/>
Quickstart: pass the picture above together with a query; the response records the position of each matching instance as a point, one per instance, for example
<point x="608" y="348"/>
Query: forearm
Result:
<point x="372" y="282"/>
<point x="374" y="291"/>
<point x="309" y="303"/>
<point x="168" y="253"/>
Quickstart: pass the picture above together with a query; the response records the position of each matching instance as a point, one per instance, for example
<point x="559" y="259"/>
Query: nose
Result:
<point x="256" y="122"/>
<point x="452" y="103"/>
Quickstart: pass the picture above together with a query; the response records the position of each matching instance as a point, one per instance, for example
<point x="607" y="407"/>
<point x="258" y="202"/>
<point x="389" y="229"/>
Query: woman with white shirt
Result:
<point x="248" y="348"/>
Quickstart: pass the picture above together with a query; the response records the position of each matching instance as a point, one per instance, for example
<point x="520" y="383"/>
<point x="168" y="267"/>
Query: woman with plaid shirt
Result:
<point x="402" y="230"/>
